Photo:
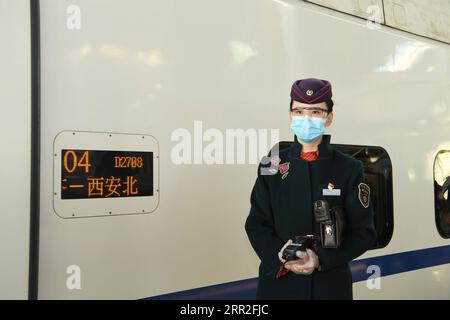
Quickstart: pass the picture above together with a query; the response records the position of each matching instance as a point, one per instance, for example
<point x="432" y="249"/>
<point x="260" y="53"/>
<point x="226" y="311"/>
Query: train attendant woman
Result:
<point x="282" y="205"/>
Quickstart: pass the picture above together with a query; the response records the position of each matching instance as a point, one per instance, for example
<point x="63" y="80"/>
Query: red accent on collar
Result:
<point x="309" y="156"/>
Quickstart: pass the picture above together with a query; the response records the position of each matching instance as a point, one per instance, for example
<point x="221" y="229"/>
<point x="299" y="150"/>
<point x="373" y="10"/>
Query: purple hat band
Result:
<point x="311" y="90"/>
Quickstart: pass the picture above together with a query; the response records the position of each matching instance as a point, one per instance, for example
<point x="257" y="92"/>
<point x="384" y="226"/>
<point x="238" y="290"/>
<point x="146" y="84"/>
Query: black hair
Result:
<point x="328" y="102"/>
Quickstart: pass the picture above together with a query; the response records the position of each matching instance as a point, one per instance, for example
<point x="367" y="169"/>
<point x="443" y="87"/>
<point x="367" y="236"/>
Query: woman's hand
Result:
<point x="306" y="264"/>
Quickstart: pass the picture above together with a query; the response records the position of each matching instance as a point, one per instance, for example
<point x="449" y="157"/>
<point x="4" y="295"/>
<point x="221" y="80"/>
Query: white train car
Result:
<point x="96" y="89"/>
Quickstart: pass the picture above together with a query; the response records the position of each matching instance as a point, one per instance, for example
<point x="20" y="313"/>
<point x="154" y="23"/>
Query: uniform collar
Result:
<point x="325" y="150"/>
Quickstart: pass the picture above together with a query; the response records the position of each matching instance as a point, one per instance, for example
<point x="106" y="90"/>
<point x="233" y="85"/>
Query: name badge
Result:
<point x="331" y="192"/>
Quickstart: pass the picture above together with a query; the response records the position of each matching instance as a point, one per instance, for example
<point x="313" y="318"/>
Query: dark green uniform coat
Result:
<point x="282" y="208"/>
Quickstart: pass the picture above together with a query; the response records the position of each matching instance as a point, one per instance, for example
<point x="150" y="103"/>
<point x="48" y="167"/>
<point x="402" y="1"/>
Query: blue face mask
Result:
<point x="308" y="129"/>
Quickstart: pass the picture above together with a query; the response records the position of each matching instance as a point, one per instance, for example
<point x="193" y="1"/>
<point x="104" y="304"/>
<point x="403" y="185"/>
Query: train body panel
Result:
<point x="204" y="67"/>
<point x="15" y="160"/>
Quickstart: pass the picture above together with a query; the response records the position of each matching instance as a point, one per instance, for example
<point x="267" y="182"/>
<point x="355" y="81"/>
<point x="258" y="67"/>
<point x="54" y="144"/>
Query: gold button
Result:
<point x="309" y="92"/>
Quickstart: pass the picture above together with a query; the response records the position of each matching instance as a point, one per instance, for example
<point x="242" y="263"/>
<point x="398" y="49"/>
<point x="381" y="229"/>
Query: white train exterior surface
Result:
<point x="152" y="67"/>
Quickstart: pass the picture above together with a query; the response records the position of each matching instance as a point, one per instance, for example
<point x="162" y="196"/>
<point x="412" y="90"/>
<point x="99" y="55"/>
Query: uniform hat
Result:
<point x="311" y="90"/>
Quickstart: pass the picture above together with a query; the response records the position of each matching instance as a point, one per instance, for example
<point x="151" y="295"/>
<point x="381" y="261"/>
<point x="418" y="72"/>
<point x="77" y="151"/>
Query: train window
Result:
<point x="378" y="175"/>
<point x="441" y="179"/>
